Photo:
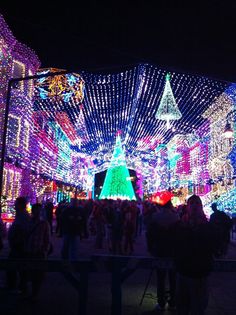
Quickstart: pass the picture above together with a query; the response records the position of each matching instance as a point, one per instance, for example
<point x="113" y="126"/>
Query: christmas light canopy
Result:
<point x="74" y="133"/>
<point x="127" y="101"/>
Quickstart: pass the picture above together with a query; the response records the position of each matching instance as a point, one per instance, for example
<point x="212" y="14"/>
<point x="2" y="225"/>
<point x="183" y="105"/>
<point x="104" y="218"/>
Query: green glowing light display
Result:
<point x="117" y="184"/>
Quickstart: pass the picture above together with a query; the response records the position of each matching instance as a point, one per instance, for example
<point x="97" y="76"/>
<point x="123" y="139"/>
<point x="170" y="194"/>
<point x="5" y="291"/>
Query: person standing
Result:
<point x="222" y="223"/>
<point x="71" y="225"/>
<point x="17" y="234"/>
<point x="99" y="221"/>
<point x="160" y="241"/>
<point x="59" y="210"/>
<point x="117" y="228"/>
<point x="139" y="223"/>
<point x="48" y="209"/>
<point x="129" y="224"/>
<point x="195" y="245"/>
<point x="37" y="245"/>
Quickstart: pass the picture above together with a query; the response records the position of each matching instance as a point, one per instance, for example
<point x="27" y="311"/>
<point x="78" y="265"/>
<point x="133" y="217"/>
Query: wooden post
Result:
<point x="116" y="305"/>
<point x="76" y="192"/>
<point x="83" y="292"/>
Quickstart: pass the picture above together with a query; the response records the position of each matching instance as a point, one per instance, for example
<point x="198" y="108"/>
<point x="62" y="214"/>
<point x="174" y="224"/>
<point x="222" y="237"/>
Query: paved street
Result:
<point x="58" y="297"/>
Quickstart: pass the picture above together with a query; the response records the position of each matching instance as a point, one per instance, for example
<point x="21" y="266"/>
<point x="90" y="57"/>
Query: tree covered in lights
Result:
<point x="168" y="109"/>
<point x="117" y="184"/>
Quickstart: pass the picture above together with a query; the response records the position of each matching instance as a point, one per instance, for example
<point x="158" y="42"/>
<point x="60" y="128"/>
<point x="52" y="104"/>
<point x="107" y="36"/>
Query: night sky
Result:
<point x="192" y="38"/>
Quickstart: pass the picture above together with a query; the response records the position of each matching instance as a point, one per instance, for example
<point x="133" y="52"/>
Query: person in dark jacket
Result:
<point x="37" y="246"/>
<point x="195" y="245"/>
<point x="223" y="224"/>
<point x="160" y="243"/>
<point x="71" y="225"/>
<point x="59" y="210"/>
<point x="48" y="208"/>
<point x="17" y="234"/>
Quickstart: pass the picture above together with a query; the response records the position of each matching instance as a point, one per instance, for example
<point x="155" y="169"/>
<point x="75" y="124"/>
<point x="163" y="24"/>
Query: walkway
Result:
<point x="58" y="297"/>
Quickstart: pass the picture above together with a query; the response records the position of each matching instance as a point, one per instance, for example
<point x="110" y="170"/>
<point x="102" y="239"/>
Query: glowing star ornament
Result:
<point x="117" y="184"/>
<point x="168" y="109"/>
<point x="60" y="87"/>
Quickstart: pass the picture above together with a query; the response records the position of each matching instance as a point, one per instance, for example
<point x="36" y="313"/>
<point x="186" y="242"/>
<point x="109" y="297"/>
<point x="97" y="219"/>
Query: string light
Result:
<point x="55" y="139"/>
<point x="65" y="123"/>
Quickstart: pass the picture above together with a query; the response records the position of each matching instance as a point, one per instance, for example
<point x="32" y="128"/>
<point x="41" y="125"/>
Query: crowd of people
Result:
<point x="192" y="241"/>
<point x="183" y="234"/>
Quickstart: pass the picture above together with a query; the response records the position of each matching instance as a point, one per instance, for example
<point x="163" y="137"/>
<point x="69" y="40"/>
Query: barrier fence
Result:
<point x="120" y="267"/>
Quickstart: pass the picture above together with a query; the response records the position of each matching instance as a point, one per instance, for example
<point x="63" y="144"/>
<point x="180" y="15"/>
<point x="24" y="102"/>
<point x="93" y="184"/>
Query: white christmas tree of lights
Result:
<point x="168" y="108"/>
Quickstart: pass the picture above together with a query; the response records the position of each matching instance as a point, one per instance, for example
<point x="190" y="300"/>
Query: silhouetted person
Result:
<point x="17" y="234"/>
<point x="71" y="224"/>
<point x="195" y="245"/>
<point x="117" y="229"/>
<point x="139" y="224"/>
<point x="85" y="213"/>
<point x="99" y="222"/>
<point x="48" y="208"/>
<point x="37" y="245"/>
<point x="60" y="208"/>
<point x="160" y="242"/>
<point x="222" y="224"/>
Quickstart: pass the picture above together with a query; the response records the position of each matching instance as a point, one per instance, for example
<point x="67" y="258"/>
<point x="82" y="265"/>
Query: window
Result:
<point x="14" y="128"/>
<point x="19" y="72"/>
